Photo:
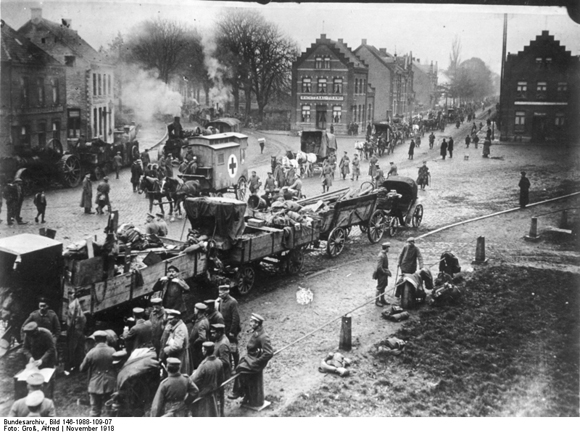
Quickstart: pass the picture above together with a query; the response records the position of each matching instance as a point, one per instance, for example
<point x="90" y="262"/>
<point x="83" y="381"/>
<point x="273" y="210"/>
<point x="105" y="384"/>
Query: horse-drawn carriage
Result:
<point x="407" y="206"/>
<point x="318" y="142"/>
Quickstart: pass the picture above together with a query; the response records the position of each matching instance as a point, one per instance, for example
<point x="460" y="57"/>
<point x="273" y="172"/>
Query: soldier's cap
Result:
<point x="175" y="268"/>
<point x="31" y="326"/>
<point x="173" y="313"/>
<point x="138" y="310"/>
<point x="105" y="178"/>
<point x="201" y="306"/>
<point x="208" y="344"/>
<point x="411" y="239"/>
<point x="130" y="319"/>
<point x="224" y="287"/>
<point x="160" y="215"/>
<point x="257" y="317"/>
<point x="173" y="361"/>
<point x="156" y="301"/>
<point x="34" y="399"/>
<point x="220" y="326"/>
<point x="391" y="162"/>
<point x="35" y="379"/>
<point x="209" y="302"/>
<point x="424" y="162"/>
<point x="99" y="334"/>
<point x="524" y="173"/>
<point x="119" y="356"/>
<point x="150" y="215"/>
<point x="386" y="244"/>
<point x="17" y="180"/>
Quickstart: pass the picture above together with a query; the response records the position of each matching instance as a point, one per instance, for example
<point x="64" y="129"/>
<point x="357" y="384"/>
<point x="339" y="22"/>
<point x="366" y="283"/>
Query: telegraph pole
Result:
<point x="503" y="56"/>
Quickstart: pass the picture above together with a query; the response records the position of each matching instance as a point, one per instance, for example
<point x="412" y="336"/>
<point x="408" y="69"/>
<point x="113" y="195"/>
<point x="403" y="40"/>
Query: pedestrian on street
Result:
<point x="223" y="352"/>
<point x="261" y="143"/>
<point x="117" y="163"/>
<point x="136" y="173"/>
<point x="486" y="148"/>
<point x="174" y="341"/>
<point x="382" y="275"/>
<point x="103" y="190"/>
<point x="199" y="334"/>
<point x="412" y="149"/>
<point x="254" y="183"/>
<point x="379" y="176"/>
<point x="467" y="141"/>
<point x="258" y="354"/>
<point x="101" y="374"/>
<point x="344" y="165"/>
<point x="327" y="175"/>
<point x="524" y="190"/>
<point x="424" y="175"/>
<point x="332" y="163"/>
<point x="450" y="147"/>
<point x="475" y="140"/>
<point x="373" y="167"/>
<point x="355" y="167"/>
<point x="45" y="318"/>
<point x="171" y="288"/>
<point x="158" y="318"/>
<point x="87" y="196"/>
<point x="40" y="203"/>
<point x="443" y="151"/>
<point x="170" y="398"/>
<point x="431" y="140"/>
<point x="38" y="347"/>
<point x="393" y="170"/>
<point x="207" y="378"/>
<point x="228" y="306"/>
<point x="409" y="257"/>
<point x="19" y="200"/>
<point x="24" y="406"/>
<point x="279" y="175"/>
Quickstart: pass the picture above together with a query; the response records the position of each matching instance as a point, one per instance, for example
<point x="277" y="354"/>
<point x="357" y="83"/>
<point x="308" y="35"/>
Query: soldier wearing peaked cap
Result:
<point x="141" y="334"/>
<point x="45" y="408"/>
<point x="258" y="354"/>
<point x="222" y="351"/>
<point x="45" y="318"/>
<point x="199" y="334"/>
<point x="227" y="305"/>
<point x="207" y="378"/>
<point x="39" y="347"/>
<point x="212" y="314"/>
<point x="382" y="274"/>
<point x="98" y="363"/>
<point x="170" y="398"/>
<point x="174" y="341"/>
<point x="160" y="220"/>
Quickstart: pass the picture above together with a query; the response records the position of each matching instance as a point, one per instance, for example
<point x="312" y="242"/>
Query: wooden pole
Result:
<point x="480" y="252"/>
<point x="345" y="342"/>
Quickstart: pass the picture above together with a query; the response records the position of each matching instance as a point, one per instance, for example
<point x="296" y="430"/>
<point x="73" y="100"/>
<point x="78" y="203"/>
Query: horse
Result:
<point x="154" y="190"/>
<point x="176" y="193"/>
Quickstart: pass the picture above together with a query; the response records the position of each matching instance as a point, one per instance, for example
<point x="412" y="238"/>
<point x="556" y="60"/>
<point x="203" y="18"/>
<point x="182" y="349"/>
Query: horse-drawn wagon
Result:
<point x="407" y="206"/>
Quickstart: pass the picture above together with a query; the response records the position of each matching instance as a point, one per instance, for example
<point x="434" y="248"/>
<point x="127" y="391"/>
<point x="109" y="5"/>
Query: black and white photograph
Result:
<point x="288" y="210"/>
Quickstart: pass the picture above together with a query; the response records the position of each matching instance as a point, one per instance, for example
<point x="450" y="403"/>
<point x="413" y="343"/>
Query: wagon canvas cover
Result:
<point x="227" y="214"/>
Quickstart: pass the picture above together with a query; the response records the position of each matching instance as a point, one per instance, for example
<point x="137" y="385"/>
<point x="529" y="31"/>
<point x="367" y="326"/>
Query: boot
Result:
<point x="379" y="299"/>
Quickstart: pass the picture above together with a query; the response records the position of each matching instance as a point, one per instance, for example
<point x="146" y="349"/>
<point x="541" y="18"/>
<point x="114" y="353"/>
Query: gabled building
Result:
<point x="540" y="93"/>
<point x="330" y="86"/>
<point x="424" y="85"/>
<point x="89" y="77"/>
<point x="392" y="78"/>
<point x="32" y="95"/>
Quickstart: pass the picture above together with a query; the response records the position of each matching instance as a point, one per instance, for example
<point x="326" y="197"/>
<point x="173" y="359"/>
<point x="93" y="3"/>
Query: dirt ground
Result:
<point x="509" y="347"/>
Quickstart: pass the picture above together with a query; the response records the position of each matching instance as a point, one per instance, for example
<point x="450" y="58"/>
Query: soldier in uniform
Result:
<point x="136" y="173"/>
<point x="227" y="305"/>
<point x="45" y="318"/>
<point x="141" y="334"/>
<point x="174" y="341"/>
<point x="170" y="398"/>
<point x="172" y="288"/>
<point x="199" y="334"/>
<point x="158" y="319"/>
<point x="223" y="352"/>
<point x="101" y="374"/>
<point x="382" y="275"/>
<point x="160" y="220"/>
<point x="151" y="226"/>
<point x="103" y="191"/>
<point x="19" y="200"/>
<point x="34" y="383"/>
<point x="213" y="316"/>
<point x="207" y="378"/>
<point x="117" y="163"/>
<point x="39" y="347"/>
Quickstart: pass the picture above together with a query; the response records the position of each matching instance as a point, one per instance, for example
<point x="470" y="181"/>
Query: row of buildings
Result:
<point x="53" y="85"/>
<point x="333" y="84"/>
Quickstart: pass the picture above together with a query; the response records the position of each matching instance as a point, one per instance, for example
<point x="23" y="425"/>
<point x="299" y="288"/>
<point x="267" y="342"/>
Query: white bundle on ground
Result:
<point x="304" y="296"/>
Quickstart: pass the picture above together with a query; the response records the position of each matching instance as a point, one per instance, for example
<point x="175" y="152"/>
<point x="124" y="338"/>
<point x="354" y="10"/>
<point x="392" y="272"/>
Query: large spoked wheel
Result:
<point x="56" y="145"/>
<point x="376" y="226"/>
<point x="245" y="278"/>
<point x="335" y="242"/>
<point x="241" y="189"/>
<point x="70" y="171"/>
<point x="295" y="261"/>
<point x="417" y="216"/>
<point x="392" y="227"/>
<point x="407" y="297"/>
<point x="366" y="185"/>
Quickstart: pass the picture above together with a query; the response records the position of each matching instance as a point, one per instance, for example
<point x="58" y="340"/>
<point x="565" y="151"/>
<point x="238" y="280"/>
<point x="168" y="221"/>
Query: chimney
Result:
<point x="323" y="36"/>
<point x="364" y="42"/>
<point x="383" y="51"/>
<point x="66" y="22"/>
<point x="35" y="15"/>
<point x="341" y="41"/>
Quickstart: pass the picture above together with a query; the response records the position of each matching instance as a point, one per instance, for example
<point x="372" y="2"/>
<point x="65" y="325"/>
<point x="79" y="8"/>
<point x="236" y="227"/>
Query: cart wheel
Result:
<point x="55" y="145"/>
<point x="241" y="189"/>
<point x="335" y="242"/>
<point x="363" y="228"/>
<point x="417" y="216"/>
<point x="295" y="261"/>
<point x="393" y="225"/>
<point x="69" y="170"/>
<point x="366" y="184"/>
<point x="245" y="278"/>
<point x="376" y="226"/>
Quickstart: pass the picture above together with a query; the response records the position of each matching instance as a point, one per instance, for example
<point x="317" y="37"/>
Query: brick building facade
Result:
<point x="32" y="95"/>
<point x="330" y="86"/>
<point x="540" y="92"/>
<point x="89" y="77"/>
<point x="424" y="85"/>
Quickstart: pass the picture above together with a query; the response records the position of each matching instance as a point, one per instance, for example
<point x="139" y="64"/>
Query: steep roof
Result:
<point x="385" y="58"/>
<point x="542" y="40"/>
<point x="342" y="50"/>
<point x="66" y="37"/>
<point x="17" y="48"/>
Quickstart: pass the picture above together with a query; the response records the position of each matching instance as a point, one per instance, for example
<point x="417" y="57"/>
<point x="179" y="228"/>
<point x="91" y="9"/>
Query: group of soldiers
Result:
<point x="196" y="354"/>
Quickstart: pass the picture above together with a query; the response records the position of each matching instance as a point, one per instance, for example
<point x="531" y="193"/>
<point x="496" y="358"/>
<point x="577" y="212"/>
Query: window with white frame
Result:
<point x="321" y="85"/>
<point x="327" y="63"/>
<point x="336" y="114"/>
<point x="318" y="63"/>
<point x="522" y="89"/>
<point x="520" y="121"/>
<point x="560" y="120"/>
<point x="337" y="85"/>
<point x="306" y="85"/>
<point x="541" y="90"/>
<point x="306" y="113"/>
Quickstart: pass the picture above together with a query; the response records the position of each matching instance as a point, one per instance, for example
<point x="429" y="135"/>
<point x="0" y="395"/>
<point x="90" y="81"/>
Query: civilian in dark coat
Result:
<point x="87" y="197"/>
<point x="409" y="257"/>
<point x="39" y="346"/>
<point x="102" y="377"/>
<point x="450" y="147"/>
<point x="207" y="378"/>
<point x="524" y="190"/>
<point x="136" y="173"/>
<point x="443" y="151"/>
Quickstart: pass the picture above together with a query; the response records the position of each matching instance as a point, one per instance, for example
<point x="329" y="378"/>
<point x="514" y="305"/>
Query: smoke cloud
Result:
<point x="148" y="96"/>
<point x="220" y="93"/>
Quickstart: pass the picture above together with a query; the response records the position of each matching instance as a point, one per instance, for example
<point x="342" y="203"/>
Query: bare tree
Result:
<point x="454" y="62"/>
<point x="158" y="44"/>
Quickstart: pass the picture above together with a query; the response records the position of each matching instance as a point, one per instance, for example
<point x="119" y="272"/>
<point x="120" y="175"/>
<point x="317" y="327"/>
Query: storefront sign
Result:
<point x="322" y="98"/>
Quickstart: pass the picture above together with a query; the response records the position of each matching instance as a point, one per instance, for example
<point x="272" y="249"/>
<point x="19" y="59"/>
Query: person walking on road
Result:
<point x="467" y="141"/>
<point x="524" y="190"/>
<point x="424" y="175"/>
<point x="117" y="163"/>
<point x="412" y="149"/>
<point x="373" y="167"/>
<point x="344" y="166"/>
<point x="431" y="140"/>
<point x="19" y="201"/>
<point x="103" y="190"/>
<point x="355" y="167"/>
<point x="382" y="275"/>
<point x="392" y="170"/>
<point x="409" y="258"/>
<point x="450" y="147"/>
<point x="443" y="151"/>
<point x="40" y="203"/>
<point x="475" y="140"/>
<point x="326" y="175"/>
<point x="87" y="196"/>
<point x="136" y="173"/>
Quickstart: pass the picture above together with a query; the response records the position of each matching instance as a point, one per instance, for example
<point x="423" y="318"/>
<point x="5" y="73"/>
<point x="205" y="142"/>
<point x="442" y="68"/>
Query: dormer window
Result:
<point x="327" y="63"/>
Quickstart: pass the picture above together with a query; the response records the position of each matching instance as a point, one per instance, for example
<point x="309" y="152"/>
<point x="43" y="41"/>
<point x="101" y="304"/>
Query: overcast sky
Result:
<point x="426" y="30"/>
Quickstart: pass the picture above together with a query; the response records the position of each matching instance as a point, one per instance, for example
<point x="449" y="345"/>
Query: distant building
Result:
<point x="392" y="79"/>
<point x="330" y="86"/>
<point x="32" y="96"/>
<point x="89" y="77"/>
<point x="424" y="86"/>
<point x="540" y="92"/>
